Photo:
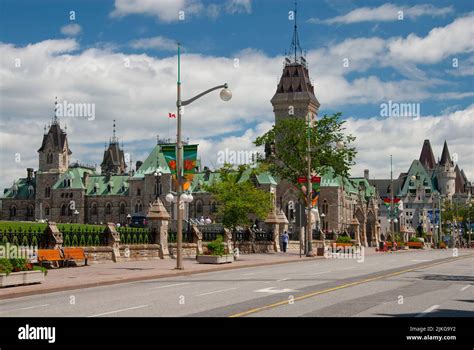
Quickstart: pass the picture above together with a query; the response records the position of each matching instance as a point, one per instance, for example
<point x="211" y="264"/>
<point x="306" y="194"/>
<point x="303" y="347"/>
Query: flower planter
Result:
<point x="20" y="278"/>
<point x="215" y="259"/>
<point x="416" y="245"/>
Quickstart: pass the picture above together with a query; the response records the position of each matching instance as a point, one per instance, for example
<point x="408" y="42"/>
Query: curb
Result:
<point x="145" y="278"/>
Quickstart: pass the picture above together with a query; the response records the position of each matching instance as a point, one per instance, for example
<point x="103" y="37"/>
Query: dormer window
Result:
<point x="31" y="191"/>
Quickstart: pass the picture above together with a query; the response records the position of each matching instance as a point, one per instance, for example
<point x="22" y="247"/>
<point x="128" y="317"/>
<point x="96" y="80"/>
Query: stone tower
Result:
<point x="54" y="151"/>
<point x="294" y="97"/>
<point x="53" y="155"/>
<point x="446" y="173"/>
<point x="113" y="162"/>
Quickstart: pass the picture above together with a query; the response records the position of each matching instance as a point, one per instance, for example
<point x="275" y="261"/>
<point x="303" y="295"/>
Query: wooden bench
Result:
<point x="415" y="245"/>
<point x="52" y="255"/>
<point x="71" y="254"/>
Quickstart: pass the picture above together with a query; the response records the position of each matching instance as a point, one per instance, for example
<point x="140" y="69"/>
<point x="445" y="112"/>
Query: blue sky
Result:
<point x="406" y="61"/>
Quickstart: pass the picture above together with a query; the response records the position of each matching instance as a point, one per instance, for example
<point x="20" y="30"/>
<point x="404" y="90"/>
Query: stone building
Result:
<point x="422" y="189"/>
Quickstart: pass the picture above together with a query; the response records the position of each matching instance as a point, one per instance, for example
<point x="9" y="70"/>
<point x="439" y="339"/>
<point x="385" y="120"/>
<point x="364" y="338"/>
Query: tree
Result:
<point x="289" y="161"/>
<point x="238" y="198"/>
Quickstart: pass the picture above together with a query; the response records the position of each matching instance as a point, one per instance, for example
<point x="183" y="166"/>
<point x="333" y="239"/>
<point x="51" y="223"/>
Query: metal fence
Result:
<point x="29" y="237"/>
<point x="188" y="237"/>
<point x="131" y="235"/>
<point x="83" y="237"/>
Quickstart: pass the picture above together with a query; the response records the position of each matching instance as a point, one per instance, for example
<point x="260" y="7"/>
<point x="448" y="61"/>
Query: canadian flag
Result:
<point x="171" y="115"/>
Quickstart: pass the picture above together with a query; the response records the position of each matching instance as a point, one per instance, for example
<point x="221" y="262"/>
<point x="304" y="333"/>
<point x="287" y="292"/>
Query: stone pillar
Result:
<point x="355" y="226"/>
<point x="54" y="237"/>
<point x="377" y="234"/>
<point x="274" y="222"/>
<point x="228" y="240"/>
<point x="364" y="232"/>
<point x="197" y="238"/>
<point x="113" y="240"/>
<point x="158" y="218"/>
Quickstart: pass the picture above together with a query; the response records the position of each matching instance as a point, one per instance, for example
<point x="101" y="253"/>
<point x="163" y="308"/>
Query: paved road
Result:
<point x="420" y="283"/>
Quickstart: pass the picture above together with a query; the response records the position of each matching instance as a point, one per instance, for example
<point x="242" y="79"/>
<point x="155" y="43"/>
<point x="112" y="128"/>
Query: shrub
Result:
<point x="343" y="239"/>
<point x="217" y="246"/>
<point x="6" y="266"/>
<point x="415" y="239"/>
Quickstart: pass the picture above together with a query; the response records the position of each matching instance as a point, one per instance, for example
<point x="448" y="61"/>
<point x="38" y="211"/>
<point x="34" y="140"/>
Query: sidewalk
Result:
<point x="111" y="273"/>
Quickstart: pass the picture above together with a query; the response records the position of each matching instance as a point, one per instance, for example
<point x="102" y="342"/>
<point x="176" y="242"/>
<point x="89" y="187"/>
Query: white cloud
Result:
<point x="386" y="12"/>
<point x="72" y="29"/>
<point x="156" y="43"/>
<point x="377" y="139"/>
<point x="456" y="37"/>
<point x="139" y="90"/>
<point x="168" y="10"/>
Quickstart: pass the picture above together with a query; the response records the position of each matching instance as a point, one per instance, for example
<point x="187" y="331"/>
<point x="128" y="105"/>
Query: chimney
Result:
<point x="138" y="164"/>
<point x="366" y="174"/>
<point x="29" y="174"/>
<point x="85" y="177"/>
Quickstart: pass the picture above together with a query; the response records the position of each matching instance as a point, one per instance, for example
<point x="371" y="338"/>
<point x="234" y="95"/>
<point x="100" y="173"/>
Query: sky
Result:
<point x="120" y="56"/>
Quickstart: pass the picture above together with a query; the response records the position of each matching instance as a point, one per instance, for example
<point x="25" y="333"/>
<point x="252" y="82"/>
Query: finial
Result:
<point x="44" y="129"/>
<point x="114" y="129"/>
<point x="295" y="47"/>
<point x="55" y="118"/>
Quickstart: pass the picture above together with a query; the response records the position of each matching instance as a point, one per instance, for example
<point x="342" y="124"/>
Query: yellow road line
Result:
<point x="309" y="295"/>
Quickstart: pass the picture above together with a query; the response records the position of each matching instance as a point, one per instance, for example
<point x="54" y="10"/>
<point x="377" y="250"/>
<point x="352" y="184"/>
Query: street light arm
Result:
<point x="184" y="103"/>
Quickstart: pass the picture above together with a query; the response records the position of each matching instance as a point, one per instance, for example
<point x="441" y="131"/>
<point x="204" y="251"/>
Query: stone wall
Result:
<point x="98" y="254"/>
<point x="139" y="252"/>
<point x="189" y="250"/>
<point x="254" y="247"/>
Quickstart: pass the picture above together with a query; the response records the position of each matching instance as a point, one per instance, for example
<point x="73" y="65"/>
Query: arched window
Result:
<point x="69" y="210"/>
<point x="325" y="207"/>
<point x="12" y="211"/>
<point x="122" y="208"/>
<point x="138" y="207"/>
<point x="94" y="209"/>
<point x="108" y="209"/>
<point x="30" y="211"/>
<point x="49" y="158"/>
<point x="47" y="191"/>
<point x="46" y="210"/>
<point x="63" y="210"/>
<point x="199" y="208"/>
<point x="139" y="192"/>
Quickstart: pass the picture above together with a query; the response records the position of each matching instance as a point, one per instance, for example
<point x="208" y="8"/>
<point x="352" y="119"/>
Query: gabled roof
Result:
<point x="113" y="157"/>
<point x="57" y="137"/>
<point x="427" y="158"/>
<point x="460" y="181"/>
<point x="422" y="177"/>
<point x="295" y="83"/>
<point x="22" y="186"/>
<point x="75" y="174"/>
<point x="155" y="160"/>
<point x="118" y="185"/>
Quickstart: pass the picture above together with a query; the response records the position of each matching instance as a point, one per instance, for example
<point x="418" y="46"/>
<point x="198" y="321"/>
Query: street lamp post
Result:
<point x="225" y="95"/>
<point x="157" y="175"/>
<point x="392" y="226"/>
<point x="76" y="215"/>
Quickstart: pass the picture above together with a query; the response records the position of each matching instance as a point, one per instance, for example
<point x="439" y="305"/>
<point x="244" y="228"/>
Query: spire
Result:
<point x="55" y="117"/>
<point x="445" y="156"/>
<point x="295" y="55"/>
<point x="427" y="158"/>
<point x="114" y="137"/>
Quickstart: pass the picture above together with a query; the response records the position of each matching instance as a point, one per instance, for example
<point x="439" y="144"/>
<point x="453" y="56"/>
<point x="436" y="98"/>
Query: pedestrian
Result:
<point x="284" y="240"/>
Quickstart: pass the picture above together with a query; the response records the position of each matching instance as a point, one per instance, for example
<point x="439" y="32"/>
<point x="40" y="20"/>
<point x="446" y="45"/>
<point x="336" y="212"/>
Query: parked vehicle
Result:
<point x="139" y="221"/>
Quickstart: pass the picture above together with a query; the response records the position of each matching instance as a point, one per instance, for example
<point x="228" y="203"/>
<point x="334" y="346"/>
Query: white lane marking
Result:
<point x="420" y="260"/>
<point x="252" y="273"/>
<point x="216" y="291"/>
<point x="121" y="310"/>
<point x="318" y="273"/>
<point x="428" y="310"/>
<point x="283" y="279"/>
<point x="25" y="308"/>
<point x="348" y="268"/>
<point x="274" y="291"/>
<point x="170" y="285"/>
<point x="465" y="287"/>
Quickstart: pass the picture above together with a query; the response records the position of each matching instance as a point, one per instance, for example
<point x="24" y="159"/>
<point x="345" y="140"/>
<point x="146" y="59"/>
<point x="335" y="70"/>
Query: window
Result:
<point x="30" y="211"/>
<point x="63" y="210"/>
<point x="109" y="188"/>
<point x="49" y="158"/>
<point x="138" y="207"/>
<point x="122" y="208"/>
<point x="12" y="211"/>
<point x="46" y="211"/>
<point x="108" y="209"/>
<point x="47" y="191"/>
<point x="199" y="208"/>
<point x="139" y="192"/>
<point x="94" y="209"/>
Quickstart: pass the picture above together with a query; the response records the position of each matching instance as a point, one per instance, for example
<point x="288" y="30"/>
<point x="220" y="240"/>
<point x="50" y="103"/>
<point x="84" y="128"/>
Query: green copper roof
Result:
<point x="155" y="161"/>
<point x="422" y="178"/>
<point x="102" y="185"/>
<point x="264" y="178"/>
<point x="20" y="189"/>
<point x="75" y="175"/>
<point x="200" y="181"/>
